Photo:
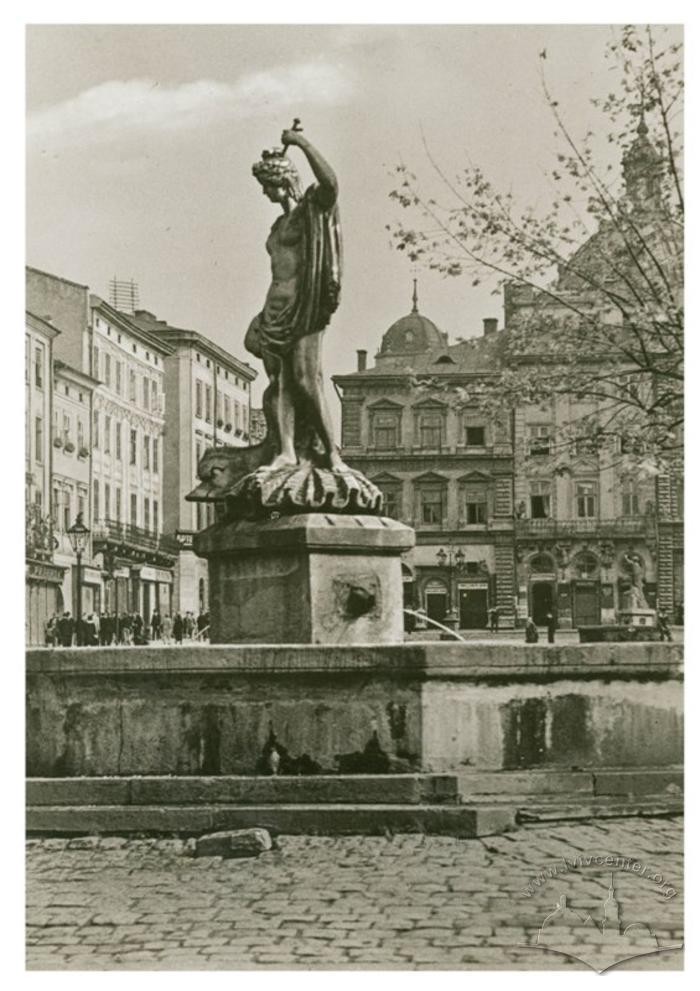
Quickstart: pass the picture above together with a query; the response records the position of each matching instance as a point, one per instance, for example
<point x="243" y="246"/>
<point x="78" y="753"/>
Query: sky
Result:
<point x="140" y="141"/>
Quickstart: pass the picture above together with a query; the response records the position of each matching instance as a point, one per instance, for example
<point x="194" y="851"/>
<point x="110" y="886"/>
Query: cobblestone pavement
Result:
<point x="402" y="902"/>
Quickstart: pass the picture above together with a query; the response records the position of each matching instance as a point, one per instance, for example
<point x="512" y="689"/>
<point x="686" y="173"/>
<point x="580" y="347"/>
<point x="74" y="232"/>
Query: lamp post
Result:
<point x="78" y="534"/>
<point x="452" y="562"/>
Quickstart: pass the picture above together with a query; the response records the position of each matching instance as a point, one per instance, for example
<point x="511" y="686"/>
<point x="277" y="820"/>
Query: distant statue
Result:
<point x="635" y="565"/>
<point x="305" y="255"/>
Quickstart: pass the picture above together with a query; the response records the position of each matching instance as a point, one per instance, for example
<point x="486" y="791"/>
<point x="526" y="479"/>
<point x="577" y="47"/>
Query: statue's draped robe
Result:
<point x="318" y="291"/>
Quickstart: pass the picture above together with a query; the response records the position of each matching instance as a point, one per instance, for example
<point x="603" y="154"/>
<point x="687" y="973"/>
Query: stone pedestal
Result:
<point x="308" y="578"/>
<point x="638" y="617"/>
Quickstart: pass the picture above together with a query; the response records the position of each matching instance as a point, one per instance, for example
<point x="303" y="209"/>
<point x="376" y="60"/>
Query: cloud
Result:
<point x="134" y="107"/>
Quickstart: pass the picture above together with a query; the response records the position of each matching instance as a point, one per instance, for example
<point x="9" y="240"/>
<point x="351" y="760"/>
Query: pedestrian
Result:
<point x="494" y="612"/>
<point x="66" y="628"/>
<point x="188" y="625"/>
<point x="663" y="625"/>
<point x="531" y="633"/>
<point x="103" y="627"/>
<point x="201" y="623"/>
<point x="126" y="628"/>
<point x="137" y="628"/>
<point x="51" y="630"/>
<point x="178" y="628"/>
<point x="91" y="636"/>
<point x="167" y="628"/>
<point x="551" y="627"/>
<point x="156" y="625"/>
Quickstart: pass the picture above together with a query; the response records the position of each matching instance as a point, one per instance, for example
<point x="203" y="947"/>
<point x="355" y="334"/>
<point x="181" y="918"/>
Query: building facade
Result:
<point x="208" y="403"/>
<point x="129" y="565"/>
<point x="43" y="575"/>
<point x="71" y="482"/>
<point x="442" y="467"/>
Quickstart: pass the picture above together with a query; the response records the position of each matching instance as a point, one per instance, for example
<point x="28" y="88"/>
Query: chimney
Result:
<point x="362" y="361"/>
<point x="490" y="325"/>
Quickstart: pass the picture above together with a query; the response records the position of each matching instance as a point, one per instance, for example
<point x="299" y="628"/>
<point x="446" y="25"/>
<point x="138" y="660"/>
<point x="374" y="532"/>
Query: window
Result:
<point x="66" y="428"/>
<point x="540" y="500"/>
<point x="476" y="506"/>
<point x="132" y="447"/>
<point x="219" y="407"/>
<point x="431" y="506"/>
<point x="386" y="431"/>
<point x="200" y="516"/>
<point x="146" y="453"/>
<point x="96" y="429"/>
<point x="155" y="516"/>
<point x="227" y="409"/>
<point x="133" y="509"/>
<point x="118" y="377"/>
<point x="108" y="433"/>
<point x="392" y="501"/>
<point x="198" y="408"/>
<point x="108" y="371"/>
<point x="430" y="430"/>
<point x="630" y="499"/>
<point x="154" y="396"/>
<point x="118" y="441"/>
<point x="475" y="436"/>
<point x="207" y="403"/>
<point x="244" y="417"/>
<point x="586" y="501"/>
<point x="38" y="440"/>
<point x="132" y="386"/>
<point x="66" y="510"/>
<point x="146" y="513"/>
<point x="146" y="392"/>
<point x="81" y="435"/>
<point x="108" y="501"/>
<point x="39" y="366"/>
<point x="96" y="362"/>
<point x="539" y="439"/>
<point x="55" y="508"/>
<point x="154" y="464"/>
<point x="81" y="505"/>
<point x="118" y="505"/>
<point x="95" y="504"/>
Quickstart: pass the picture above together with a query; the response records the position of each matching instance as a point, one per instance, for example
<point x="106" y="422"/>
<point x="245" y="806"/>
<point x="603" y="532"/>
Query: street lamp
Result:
<point x="453" y="562"/>
<point x="78" y="534"/>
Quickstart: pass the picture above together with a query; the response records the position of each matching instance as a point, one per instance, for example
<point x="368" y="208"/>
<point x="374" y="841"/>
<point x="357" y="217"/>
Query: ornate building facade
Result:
<point x="207" y="402"/>
<point x="43" y="576"/>
<point x="443" y="469"/>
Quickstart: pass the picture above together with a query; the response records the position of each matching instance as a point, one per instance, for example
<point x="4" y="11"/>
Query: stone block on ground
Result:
<point x="233" y="843"/>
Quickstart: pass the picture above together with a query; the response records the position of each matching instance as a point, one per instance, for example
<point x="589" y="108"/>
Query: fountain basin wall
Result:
<point x="213" y="710"/>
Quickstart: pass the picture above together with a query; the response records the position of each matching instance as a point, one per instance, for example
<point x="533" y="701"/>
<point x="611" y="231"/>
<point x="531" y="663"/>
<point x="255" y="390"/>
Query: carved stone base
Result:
<point x="301" y="488"/>
<point x="638" y="617"/>
<point x="308" y="578"/>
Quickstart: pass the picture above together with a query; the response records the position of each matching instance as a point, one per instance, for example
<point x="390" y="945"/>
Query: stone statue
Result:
<point x="305" y="255"/>
<point x="298" y="466"/>
<point x="635" y="566"/>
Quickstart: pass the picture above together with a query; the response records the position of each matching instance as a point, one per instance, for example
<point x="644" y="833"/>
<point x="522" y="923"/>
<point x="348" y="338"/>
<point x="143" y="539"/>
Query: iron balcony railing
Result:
<point x="622" y="526"/>
<point x="40" y="541"/>
<point x="110" y="531"/>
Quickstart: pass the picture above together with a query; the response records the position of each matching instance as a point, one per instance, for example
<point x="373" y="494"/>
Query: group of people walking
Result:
<point x="106" y="629"/>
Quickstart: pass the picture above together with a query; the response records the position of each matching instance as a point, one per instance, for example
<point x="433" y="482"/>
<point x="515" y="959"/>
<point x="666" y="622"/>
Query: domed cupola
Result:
<point x="642" y="167"/>
<point x="412" y="334"/>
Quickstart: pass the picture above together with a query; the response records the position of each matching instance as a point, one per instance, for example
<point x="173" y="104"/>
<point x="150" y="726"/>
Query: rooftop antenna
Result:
<point x="124" y="295"/>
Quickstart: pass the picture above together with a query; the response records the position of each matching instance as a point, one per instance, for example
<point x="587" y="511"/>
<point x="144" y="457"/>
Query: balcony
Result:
<point x="623" y="526"/>
<point x="132" y="540"/>
<point x="39" y="542"/>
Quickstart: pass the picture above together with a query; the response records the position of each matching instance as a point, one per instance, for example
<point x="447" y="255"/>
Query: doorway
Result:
<point x="586" y="604"/>
<point x="542" y="602"/>
<point x="436" y="605"/>
<point x="473" y="608"/>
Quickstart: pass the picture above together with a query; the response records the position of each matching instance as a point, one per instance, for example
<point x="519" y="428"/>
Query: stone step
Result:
<point x="480" y="785"/>
<point x="360" y="789"/>
<point x="600" y="808"/>
<point x="321" y="819"/>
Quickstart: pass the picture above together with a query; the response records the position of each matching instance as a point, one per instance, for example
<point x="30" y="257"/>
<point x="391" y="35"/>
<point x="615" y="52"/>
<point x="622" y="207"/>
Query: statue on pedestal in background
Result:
<point x="636" y="597"/>
<point x="298" y="467"/>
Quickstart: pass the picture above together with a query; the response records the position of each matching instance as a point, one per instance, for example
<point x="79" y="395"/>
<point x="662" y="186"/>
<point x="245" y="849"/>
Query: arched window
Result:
<point x="586" y="564"/>
<point x="541" y="563"/>
<point x="202" y="595"/>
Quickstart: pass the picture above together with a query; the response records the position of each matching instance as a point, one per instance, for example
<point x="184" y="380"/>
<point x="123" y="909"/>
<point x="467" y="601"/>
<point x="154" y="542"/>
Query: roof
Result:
<point x="40" y="323"/>
<point x="58" y="278"/>
<point x="179" y="336"/>
<point x="474" y="356"/>
<point x="62" y="368"/>
<point x="128" y="324"/>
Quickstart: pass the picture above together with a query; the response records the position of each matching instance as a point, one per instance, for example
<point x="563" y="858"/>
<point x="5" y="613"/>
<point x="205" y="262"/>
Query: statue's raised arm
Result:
<point x="327" y="181"/>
